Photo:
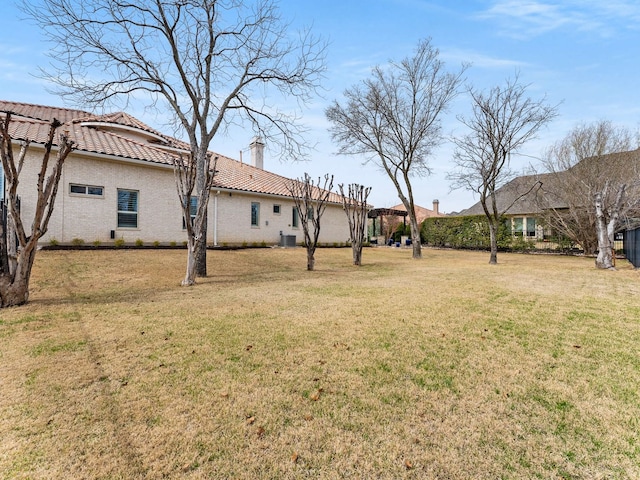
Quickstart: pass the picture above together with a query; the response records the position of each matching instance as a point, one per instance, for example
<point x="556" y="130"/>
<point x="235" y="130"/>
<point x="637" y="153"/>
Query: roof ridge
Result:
<point x="46" y="107"/>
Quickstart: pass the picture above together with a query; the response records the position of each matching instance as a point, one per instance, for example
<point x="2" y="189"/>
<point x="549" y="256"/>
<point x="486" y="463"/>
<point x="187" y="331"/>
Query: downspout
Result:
<point x="215" y="218"/>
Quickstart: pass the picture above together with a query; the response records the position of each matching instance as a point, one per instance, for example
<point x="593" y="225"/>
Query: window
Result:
<point x="127" y="208"/>
<point x="255" y="214"/>
<point x="295" y="220"/>
<point x="193" y="208"/>
<point x="531" y="227"/>
<point x="509" y="224"/>
<point x="517" y="226"/>
<point x="88" y="190"/>
<point x="310" y="213"/>
<point x="276" y="209"/>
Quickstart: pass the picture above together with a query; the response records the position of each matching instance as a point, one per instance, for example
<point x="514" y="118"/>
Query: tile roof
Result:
<point x="42" y="112"/>
<point x="528" y="193"/>
<point x="517" y="197"/>
<point x="422" y="213"/>
<point x="110" y="135"/>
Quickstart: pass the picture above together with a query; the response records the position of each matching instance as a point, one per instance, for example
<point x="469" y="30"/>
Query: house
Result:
<point x="524" y="199"/>
<point x="119" y="184"/>
<point x="519" y="199"/>
<point x="422" y="213"/>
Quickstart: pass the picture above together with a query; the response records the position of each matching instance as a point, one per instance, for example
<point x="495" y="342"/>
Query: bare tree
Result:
<point x="394" y="119"/>
<point x="356" y="208"/>
<point x="606" y="223"/>
<point x="311" y="201"/>
<point x="210" y="63"/>
<point x="186" y="176"/>
<point x="587" y="171"/>
<point x="502" y="121"/>
<point x="18" y="246"/>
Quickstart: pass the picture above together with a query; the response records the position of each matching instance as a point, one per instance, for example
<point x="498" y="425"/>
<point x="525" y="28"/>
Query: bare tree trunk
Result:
<point x="413" y="220"/>
<point x="11" y="244"/>
<point x="604" y="258"/>
<point x="200" y="251"/>
<point x="14" y="288"/>
<point x="415" y="238"/>
<point x="357" y="255"/>
<point x="190" y="275"/>
<point x="493" y="238"/>
<point x="606" y="230"/>
<point x="311" y="260"/>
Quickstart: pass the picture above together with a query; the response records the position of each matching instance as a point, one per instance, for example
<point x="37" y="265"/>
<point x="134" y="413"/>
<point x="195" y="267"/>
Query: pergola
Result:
<point x="386" y="212"/>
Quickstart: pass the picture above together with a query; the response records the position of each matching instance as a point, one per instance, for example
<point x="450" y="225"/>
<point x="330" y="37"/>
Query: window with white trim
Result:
<point x="86" y="190"/>
<point x="276" y="209"/>
<point x="255" y="214"/>
<point x="295" y="218"/>
<point x="518" y="226"/>
<point x="193" y="209"/>
<point x="127" y="208"/>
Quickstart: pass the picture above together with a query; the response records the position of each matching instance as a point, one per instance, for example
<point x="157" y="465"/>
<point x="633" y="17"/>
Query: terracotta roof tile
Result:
<point x="42" y="112"/>
<point x="99" y="134"/>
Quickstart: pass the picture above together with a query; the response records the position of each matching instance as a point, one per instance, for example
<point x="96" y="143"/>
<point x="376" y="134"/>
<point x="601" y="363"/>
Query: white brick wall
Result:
<point x="159" y="215"/>
<point x="234" y="220"/>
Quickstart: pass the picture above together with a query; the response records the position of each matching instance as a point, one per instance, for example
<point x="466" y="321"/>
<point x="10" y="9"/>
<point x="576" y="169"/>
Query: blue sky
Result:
<point x="581" y="54"/>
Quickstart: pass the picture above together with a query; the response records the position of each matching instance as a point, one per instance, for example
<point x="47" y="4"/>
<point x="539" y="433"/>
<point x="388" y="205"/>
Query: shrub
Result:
<point x="156" y="243"/>
<point x="139" y="242"/>
<point x="97" y="243"/>
<point x="53" y="242"/>
<point x="519" y="244"/>
<point x="118" y="242"/>
<point x="76" y="242"/>
<point x="462" y="232"/>
<point x="172" y="243"/>
<point x="401" y="230"/>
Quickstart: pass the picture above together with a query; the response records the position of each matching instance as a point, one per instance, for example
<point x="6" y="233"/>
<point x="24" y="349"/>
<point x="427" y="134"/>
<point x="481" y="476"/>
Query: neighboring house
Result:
<point x="524" y="198"/>
<point x="519" y="201"/>
<point x="422" y="213"/>
<point x="119" y="184"/>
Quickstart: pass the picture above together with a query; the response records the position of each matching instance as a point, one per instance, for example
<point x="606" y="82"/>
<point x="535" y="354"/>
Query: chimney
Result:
<point x="436" y="206"/>
<point x="257" y="152"/>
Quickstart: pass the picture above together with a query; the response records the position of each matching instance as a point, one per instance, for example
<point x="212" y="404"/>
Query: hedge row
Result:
<point x="465" y="232"/>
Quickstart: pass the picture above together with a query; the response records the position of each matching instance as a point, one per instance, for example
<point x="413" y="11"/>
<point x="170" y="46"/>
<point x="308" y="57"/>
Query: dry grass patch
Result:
<point x="441" y="368"/>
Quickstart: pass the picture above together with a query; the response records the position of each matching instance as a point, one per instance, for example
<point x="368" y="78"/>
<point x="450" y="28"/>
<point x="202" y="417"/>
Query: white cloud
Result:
<point x="454" y="55"/>
<point x="527" y="18"/>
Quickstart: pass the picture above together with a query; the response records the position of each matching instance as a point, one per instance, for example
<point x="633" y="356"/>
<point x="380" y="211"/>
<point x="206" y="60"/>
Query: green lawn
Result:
<point x="444" y="368"/>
